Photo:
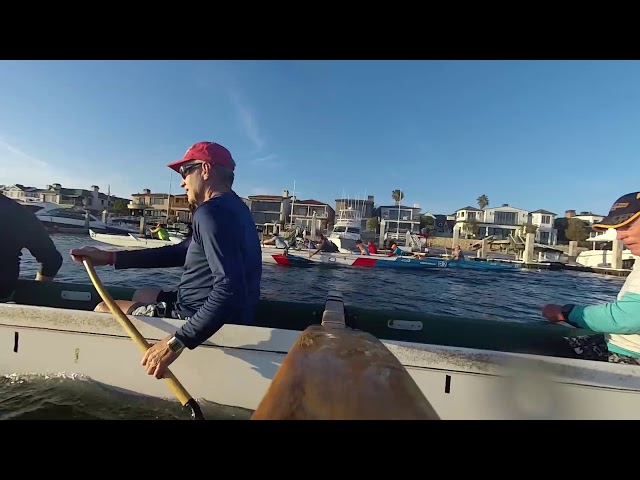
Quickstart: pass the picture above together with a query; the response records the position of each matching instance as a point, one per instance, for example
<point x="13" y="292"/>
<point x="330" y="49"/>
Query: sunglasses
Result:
<point x="186" y="169"/>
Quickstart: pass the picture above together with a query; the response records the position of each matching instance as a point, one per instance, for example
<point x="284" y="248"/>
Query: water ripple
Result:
<point x="509" y="296"/>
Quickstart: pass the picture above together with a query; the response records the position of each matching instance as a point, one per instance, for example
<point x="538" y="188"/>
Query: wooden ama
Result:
<point x="333" y="372"/>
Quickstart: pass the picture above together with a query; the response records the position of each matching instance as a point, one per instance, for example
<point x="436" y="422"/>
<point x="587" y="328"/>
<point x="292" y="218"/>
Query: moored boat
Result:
<point x="346" y="231"/>
<point x="68" y="218"/>
<point x="132" y="240"/>
<point x="603" y="257"/>
<point x="475" y="369"/>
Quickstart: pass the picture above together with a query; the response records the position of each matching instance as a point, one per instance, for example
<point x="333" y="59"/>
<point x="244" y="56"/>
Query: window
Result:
<point x="500" y="233"/>
<point x="546" y="219"/>
<point x="157" y="201"/>
<point x="67" y="213"/>
<point x="505" y="218"/>
<point x="319" y="211"/>
<point x="262" y="218"/>
<point x="265" y="206"/>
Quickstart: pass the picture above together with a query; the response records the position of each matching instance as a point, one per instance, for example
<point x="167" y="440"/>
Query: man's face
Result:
<point x="630" y="236"/>
<point x="193" y="181"/>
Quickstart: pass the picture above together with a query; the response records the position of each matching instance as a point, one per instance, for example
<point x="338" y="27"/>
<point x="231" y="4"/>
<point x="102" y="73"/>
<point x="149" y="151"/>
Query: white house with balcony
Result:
<point x="270" y="212"/>
<point x="501" y="222"/>
<point x="304" y="213"/>
<point x="546" y="233"/>
<point x="160" y="207"/>
<point x="399" y="219"/>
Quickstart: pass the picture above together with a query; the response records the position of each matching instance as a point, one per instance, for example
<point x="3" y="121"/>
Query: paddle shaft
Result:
<point x="176" y="387"/>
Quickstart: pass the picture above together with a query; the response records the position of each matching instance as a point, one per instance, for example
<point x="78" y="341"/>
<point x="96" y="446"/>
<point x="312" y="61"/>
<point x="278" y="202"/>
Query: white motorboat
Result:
<point x="347" y="229"/>
<point x="599" y="257"/>
<point x="67" y="218"/>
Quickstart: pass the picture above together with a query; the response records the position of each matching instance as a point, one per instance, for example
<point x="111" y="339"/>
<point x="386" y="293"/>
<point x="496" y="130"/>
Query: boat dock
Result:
<point x="619" y="272"/>
<point x="526" y="258"/>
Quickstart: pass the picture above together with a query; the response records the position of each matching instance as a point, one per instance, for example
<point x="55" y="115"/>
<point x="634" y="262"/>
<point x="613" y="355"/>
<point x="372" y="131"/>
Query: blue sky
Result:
<point x="534" y="134"/>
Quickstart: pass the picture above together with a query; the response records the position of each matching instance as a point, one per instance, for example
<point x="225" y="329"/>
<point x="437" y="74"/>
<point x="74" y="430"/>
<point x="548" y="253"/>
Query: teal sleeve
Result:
<point x="621" y="316"/>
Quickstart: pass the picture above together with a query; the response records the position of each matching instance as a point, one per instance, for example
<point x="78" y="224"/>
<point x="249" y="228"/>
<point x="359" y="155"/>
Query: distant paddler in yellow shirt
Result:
<point x="160" y="231"/>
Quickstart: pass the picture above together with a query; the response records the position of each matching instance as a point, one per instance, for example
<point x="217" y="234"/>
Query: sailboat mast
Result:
<point x="398" y="224"/>
<point x="293" y="202"/>
<point x="169" y="199"/>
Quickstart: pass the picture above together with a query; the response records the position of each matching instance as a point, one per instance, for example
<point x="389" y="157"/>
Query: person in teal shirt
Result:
<point x="363" y="249"/>
<point x="616" y="325"/>
<point x="396" y="250"/>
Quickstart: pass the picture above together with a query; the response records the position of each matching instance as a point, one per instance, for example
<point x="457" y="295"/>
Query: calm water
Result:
<point x="505" y="296"/>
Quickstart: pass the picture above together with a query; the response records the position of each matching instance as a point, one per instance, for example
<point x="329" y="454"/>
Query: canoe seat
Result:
<point x="333" y="372"/>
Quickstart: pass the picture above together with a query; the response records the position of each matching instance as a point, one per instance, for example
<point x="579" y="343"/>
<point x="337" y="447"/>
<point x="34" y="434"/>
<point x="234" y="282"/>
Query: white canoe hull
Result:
<point x="237" y="364"/>
<point x="133" y="241"/>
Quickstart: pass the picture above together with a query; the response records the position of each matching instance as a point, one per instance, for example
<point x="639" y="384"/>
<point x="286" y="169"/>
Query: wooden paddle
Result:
<point x="176" y="387"/>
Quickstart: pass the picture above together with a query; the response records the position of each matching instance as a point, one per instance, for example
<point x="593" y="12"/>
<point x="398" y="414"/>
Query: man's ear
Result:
<point x="206" y="170"/>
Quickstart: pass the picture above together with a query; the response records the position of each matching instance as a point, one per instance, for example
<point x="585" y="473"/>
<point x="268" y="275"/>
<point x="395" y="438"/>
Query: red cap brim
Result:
<point x="175" y="166"/>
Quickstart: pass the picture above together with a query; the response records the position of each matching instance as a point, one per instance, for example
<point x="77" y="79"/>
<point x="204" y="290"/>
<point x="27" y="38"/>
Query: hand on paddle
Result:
<point x="553" y="313"/>
<point x="97" y="256"/>
<point x="158" y="357"/>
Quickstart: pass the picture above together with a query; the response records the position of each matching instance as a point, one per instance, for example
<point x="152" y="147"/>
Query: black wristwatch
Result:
<point x="566" y="311"/>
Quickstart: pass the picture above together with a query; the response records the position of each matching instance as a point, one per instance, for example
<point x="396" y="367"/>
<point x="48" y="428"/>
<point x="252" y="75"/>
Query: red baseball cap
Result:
<point x="209" y="152"/>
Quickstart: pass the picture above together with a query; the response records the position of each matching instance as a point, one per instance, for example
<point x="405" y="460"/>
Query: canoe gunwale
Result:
<point x="279" y="341"/>
<point x="153" y="329"/>
<point x="500" y="364"/>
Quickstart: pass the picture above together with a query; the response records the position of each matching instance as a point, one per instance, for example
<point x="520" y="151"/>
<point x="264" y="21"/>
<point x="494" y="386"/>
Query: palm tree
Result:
<point x="397" y="196"/>
<point x="483" y="201"/>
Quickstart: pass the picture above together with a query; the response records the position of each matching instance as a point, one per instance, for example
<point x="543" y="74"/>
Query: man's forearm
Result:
<point x="209" y="318"/>
<point x="51" y="265"/>
<point x="39" y="243"/>
<point x="163" y="257"/>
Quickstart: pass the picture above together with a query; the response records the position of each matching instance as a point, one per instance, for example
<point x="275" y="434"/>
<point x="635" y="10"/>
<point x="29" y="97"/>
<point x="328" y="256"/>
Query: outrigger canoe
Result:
<point x="133" y="241"/>
<point x="279" y="256"/>
<point x="302" y="258"/>
<point x="467" y="369"/>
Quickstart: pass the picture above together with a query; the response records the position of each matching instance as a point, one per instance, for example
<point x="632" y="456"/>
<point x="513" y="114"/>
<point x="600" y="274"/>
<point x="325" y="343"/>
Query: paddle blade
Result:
<point x="342" y="374"/>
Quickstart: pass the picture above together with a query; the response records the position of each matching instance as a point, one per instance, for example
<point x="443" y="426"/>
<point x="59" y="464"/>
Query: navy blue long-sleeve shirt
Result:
<point x="223" y="266"/>
<point x="23" y="230"/>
